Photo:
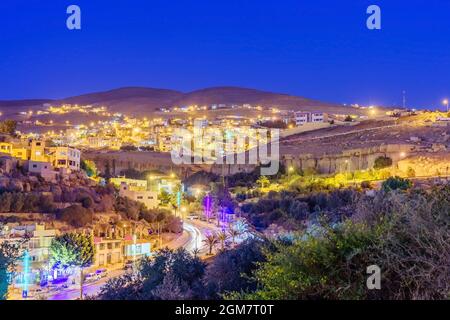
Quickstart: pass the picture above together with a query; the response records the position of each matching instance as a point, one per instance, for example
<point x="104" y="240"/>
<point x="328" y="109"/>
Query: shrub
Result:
<point x="396" y="183"/>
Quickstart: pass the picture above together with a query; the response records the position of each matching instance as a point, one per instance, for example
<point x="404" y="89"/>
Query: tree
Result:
<point x="382" y="162"/>
<point x="222" y="236"/>
<point x="73" y="250"/>
<point x="263" y="182"/>
<point x="233" y="233"/>
<point x="231" y="270"/>
<point x="9" y="255"/>
<point x="89" y="167"/>
<point x="8" y="127"/>
<point x="211" y="241"/>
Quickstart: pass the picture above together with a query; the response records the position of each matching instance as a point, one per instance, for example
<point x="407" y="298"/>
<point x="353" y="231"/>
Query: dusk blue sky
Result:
<point x="317" y="49"/>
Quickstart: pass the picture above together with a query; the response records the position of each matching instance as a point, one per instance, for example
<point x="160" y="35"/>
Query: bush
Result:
<point x="396" y="183"/>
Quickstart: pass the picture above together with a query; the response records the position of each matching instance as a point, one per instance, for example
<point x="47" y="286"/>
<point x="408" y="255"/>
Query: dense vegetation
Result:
<point x="290" y="210"/>
<point x="178" y="275"/>
<point x="404" y="232"/>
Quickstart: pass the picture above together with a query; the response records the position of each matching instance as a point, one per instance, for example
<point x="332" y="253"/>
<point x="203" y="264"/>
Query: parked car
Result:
<point x="101" y="273"/>
<point x="90" y="277"/>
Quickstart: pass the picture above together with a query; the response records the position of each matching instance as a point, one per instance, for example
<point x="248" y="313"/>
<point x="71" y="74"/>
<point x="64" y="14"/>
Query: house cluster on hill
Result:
<point x="40" y="158"/>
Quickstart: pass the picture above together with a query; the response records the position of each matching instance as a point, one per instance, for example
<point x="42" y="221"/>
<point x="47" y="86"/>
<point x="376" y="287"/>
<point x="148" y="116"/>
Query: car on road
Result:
<point x="101" y="273"/>
<point x="91" y="277"/>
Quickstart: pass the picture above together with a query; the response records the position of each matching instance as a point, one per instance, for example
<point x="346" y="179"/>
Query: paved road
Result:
<point x="197" y="230"/>
<point x="89" y="289"/>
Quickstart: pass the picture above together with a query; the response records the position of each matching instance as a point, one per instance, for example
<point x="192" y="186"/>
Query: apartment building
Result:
<point x="302" y="117"/>
<point x="19" y="152"/>
<point x="38" y="152"/>
<point x="107" y="251"/>
<point x="65" y="157"/>
<point x="317" y="117"/>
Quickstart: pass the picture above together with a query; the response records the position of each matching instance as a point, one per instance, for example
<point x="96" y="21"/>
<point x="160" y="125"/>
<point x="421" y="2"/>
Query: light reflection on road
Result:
<point x="196" y="238"/>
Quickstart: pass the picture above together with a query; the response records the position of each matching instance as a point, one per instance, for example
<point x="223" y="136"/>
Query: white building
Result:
<point x="302" y="117"/>
<point x="317" y="117"/>
<point x="148" y="198"/>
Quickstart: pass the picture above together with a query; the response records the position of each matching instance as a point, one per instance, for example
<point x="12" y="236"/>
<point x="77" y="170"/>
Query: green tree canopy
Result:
<point x="9" y="255"/>
<point x="72" y="249"/>
<point x="8" y="127"/>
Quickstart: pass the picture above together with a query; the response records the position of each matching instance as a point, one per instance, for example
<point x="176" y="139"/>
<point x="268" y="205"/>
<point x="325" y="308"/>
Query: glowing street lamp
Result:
<point x="445" y="103"/>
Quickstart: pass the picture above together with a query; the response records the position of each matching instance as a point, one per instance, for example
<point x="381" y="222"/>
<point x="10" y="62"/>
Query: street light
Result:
<point x="445" y="103"/>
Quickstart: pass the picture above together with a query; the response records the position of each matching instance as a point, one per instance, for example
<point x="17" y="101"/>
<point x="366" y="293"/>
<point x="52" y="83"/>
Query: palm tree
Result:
<point x="233" y="233"/>
<point x="196" y="252"/>
<point x="222" y="236"/>
<point x="211" y="241"/>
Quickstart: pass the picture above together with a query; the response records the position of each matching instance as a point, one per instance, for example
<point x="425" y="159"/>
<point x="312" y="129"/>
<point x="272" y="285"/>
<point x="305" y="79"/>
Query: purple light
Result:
<point x="207" y="203"/>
